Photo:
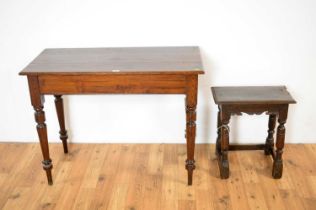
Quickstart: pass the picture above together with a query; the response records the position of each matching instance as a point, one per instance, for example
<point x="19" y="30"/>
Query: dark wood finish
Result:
<point x="224" y="143"/>
<point x="234" y="147"/>
<point x="37" y="100"/>
<point x="191" y="101"/>
<point x="218" y="139"/>
<point x="252" y="95"/>
<point x="270" y="140"/>
<point x="92" y="84"/>
<point x="278" y="162"/>
<point x="61" y="119"/>
<point x="126" y="60"/>
<point x="272" y="100"/>
<point x="148" y="70"/>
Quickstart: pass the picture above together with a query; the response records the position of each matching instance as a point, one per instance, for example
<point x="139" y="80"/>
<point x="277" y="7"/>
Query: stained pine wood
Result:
<point x="133" y="60"/>
<point x="147" y="176"/>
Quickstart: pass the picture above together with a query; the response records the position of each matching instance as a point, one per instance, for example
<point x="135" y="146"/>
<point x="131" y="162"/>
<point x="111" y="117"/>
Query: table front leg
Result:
<point x="61" y="119"/>
<point x="278" y="162"/>
<point x="191" y="102"/>
<point x="224" y="144"/>
<point x="42" y="134"/>
<point x="37" y="101"/>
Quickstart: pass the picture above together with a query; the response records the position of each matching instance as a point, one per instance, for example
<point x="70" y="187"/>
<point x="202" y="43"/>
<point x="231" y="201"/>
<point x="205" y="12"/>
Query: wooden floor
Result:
<point x="152" y="176"/>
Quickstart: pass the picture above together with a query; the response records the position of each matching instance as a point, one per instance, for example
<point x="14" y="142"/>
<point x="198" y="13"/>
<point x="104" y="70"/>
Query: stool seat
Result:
<point x="235" y="100"/>
<point x="252" y="95"/>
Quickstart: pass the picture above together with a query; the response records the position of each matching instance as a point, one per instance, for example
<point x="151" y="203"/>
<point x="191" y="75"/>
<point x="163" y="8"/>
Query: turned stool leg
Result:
<point x="218" y="139"/>
<point x="270" y="140"/>
<point x="61" y="119"/>
<point x="278" y="163"/>
<point x="224" y="134"/>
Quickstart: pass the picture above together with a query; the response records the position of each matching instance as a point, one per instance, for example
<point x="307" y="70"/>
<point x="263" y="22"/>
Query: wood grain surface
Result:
<point x="151" y="176"/>
<point x="93" y="84"/>
<point x="117" y="61"/>
<point x="252" y="95"/>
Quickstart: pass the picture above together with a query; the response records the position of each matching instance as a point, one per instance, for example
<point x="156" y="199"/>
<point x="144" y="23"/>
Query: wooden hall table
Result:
<point x="134" y="70"/>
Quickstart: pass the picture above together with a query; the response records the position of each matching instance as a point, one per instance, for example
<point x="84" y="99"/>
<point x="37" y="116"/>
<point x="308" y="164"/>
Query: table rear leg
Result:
<point x="61" y="119"/>
<point x="218" y="139"/>
<point x="269" y="145"/>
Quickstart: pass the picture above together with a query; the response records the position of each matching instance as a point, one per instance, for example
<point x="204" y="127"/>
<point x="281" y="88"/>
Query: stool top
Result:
<point x="252" y="95"/>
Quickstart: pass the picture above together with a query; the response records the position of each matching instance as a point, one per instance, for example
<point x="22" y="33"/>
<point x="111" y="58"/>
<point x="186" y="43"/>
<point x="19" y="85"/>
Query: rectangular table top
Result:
<point x="125" y="60"/>
<point x="252" y="95"/>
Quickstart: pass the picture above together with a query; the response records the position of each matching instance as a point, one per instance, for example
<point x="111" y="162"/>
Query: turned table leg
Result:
<point x="37" y="101"/>
<point x="269" y="145"/>
<point x="278" y="162"/>
<point x="224" y="144"/>
<point x="61" y="119"/>
<point x="191" y="101"/>
<point x="218" y="139"/>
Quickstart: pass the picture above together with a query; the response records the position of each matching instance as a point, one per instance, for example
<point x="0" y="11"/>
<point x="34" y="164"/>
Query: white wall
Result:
<point x="245" y="42"/>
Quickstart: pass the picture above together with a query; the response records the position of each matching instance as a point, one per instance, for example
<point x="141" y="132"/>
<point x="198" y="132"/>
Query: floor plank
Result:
<point x="152" y="176"/>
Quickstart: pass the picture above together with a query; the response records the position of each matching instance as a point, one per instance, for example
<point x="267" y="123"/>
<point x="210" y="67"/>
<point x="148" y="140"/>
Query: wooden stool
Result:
<point x="274" y="100"/>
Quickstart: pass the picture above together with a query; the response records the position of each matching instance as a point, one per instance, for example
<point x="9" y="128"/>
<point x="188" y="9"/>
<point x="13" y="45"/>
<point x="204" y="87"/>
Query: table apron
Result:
<point x="129" y="84"/>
